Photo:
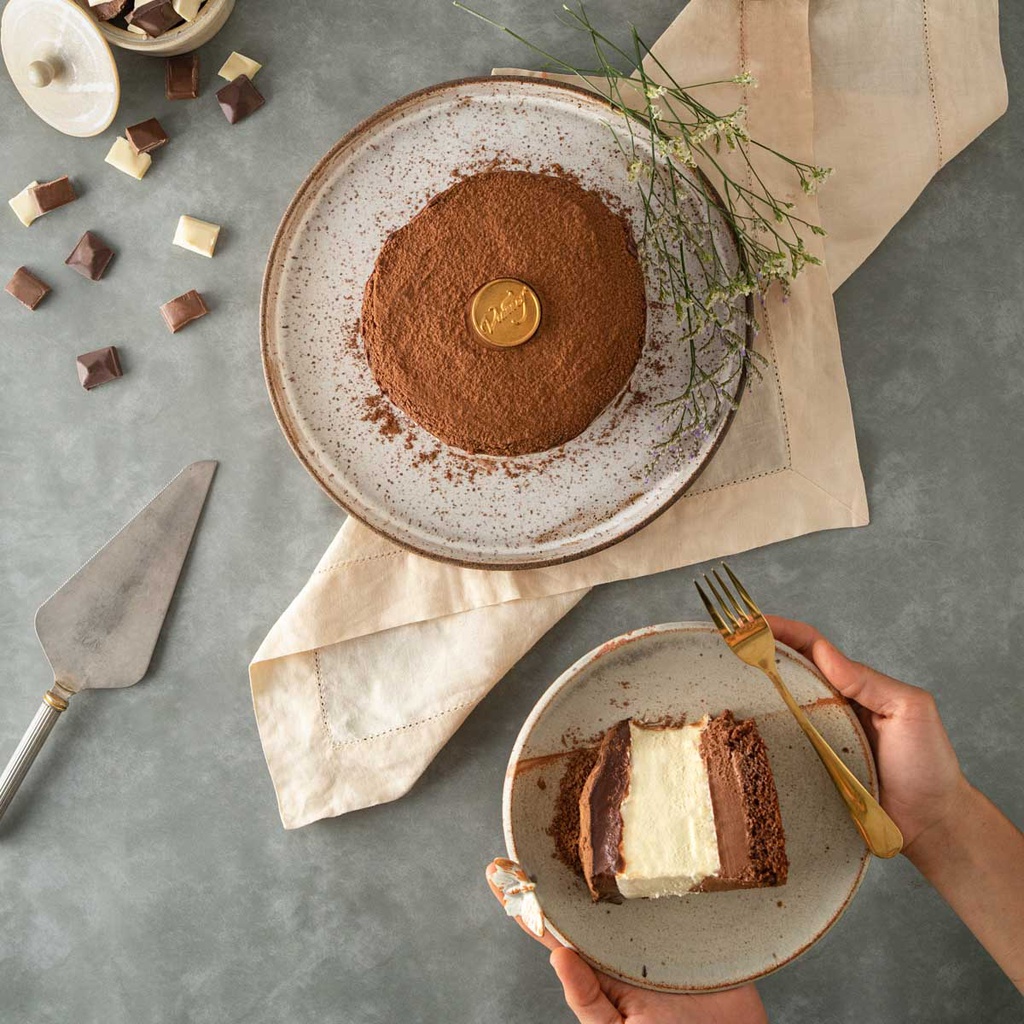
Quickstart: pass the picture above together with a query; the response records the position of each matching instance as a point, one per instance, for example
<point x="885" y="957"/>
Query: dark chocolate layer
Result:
<point x="601" y="815"/>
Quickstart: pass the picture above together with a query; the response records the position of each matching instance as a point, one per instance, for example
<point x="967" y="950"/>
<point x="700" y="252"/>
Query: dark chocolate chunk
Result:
<point x="154" y="18"/>
<point x="239" y="98"/>
<point x="91" y="256"/>
<point x="146" y="135"/>
<point x="27" y="288"/>
<point x="104" y="12"/>
<point x="181" y="77"/>
<point x="183" y="310"/>
<point x="51" y="194"/>
<point x="99" y="367"/>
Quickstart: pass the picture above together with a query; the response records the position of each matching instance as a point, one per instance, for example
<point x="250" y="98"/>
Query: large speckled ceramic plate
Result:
<point x="368" y="455"/>
<point x="703" y="941"/>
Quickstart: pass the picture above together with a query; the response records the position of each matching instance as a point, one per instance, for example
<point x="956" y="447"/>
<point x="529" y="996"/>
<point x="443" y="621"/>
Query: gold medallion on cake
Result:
<point x="505" y="312"/>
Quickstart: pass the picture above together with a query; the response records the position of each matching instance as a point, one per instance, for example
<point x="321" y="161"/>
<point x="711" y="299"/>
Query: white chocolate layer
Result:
<point x="124" y="158"/>
<point x="196" y="235"/>
<point x="238" y="64"/>
<point x="24" y="205"/>
<point x="669" y="843"/>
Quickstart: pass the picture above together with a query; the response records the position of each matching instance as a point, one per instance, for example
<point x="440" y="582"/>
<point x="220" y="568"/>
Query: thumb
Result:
<point x="869" y="688"/>
<point x="582" y="990"/>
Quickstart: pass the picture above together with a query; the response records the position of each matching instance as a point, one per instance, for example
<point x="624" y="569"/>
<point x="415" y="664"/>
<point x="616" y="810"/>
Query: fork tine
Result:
<point x="741" y="614"/>
<point x="721" y="603"/>
<point x="747" y="599"/>
<point x="713" y="611"/>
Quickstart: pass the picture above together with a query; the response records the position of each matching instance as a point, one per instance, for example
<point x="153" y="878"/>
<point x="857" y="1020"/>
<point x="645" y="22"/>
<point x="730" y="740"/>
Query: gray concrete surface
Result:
<point x="144" y="875"/>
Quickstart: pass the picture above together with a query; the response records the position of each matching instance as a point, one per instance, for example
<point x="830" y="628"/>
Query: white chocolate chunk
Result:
<point x="24" y="205"/>
<point x="96" y="3"/>
<point x="238" y="64"/>
<point x="138" y="31"/>
<point x="124" y="158"/>
<point x="196" y="235"/>
<point x="187" y="9"/>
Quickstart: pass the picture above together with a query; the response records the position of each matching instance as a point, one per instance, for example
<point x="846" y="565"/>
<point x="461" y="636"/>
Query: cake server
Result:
<point x="746" y="631"/>
<point x="99" y="630"/>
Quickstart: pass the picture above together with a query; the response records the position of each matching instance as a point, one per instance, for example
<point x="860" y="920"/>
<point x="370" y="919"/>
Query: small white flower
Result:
<point x="653" y="92"/>
<point x="518" y="895"/>
<point x="746" y="78"/>
<point x="681" y="151"/>
<point x="636" y="168"/>
<point x="814" y="177"/>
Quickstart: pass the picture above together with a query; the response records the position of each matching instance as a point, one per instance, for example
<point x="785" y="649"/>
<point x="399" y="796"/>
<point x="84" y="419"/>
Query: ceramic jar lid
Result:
<point x="61" y="64"/>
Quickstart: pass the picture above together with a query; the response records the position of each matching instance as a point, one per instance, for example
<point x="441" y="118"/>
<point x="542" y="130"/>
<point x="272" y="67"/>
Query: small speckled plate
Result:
<point x="480" y="511"/>
<point x="703" y="941"/>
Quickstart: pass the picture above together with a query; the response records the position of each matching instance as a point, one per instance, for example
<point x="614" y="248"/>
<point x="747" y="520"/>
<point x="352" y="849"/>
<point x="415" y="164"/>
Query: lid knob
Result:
<point x="41" y="73"/>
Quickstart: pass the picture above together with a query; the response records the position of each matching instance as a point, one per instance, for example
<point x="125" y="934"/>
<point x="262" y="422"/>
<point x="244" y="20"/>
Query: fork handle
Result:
<point x="880" y="832"/>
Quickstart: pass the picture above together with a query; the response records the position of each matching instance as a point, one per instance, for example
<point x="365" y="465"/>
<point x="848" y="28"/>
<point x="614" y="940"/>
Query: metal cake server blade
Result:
<point x="98" y="631"/>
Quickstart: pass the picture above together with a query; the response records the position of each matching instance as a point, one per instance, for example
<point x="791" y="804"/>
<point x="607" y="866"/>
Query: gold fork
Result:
<point x="750" y="638"/>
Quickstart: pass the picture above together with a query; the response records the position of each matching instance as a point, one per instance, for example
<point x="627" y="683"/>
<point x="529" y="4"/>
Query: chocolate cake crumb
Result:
<point x="565" y="825"/>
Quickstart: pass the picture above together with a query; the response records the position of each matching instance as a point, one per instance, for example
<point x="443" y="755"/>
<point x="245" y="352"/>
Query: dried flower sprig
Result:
<point x="673" y="149"/>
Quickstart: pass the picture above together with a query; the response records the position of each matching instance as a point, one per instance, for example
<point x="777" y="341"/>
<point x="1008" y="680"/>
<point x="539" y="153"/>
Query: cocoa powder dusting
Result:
<point x="378" y="411"/>
<point x="552" y="234"/>
<point x="565" y="825"/>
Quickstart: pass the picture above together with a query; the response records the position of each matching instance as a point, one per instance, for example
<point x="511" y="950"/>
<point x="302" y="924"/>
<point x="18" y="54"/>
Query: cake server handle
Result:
<point x="31" y="743"/>
<point x="880" y="832"/>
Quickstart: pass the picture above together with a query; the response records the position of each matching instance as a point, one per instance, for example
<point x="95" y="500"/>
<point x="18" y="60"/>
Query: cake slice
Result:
<point x="669" y="810"/>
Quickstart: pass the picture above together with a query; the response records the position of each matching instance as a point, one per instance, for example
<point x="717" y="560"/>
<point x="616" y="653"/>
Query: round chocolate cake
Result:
<point x="492" y="380"/>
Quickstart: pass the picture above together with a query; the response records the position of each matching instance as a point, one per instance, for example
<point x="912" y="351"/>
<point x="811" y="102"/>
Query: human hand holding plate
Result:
<point x="596" y="998"/>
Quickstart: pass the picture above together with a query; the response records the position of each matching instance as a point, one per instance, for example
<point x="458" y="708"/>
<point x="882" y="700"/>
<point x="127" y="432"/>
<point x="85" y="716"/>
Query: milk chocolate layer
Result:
<point x="751" y="842"/>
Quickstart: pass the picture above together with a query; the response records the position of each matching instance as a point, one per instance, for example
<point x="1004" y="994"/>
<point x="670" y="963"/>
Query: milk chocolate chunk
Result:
<point x="183" y="310"/>
<point x="99" y="367"/>
<point x="27" y="288"/>
<point x="181" y="77"/>
<point x="239" y="98"/>
<point x="146" y="136"/>
<point x="91" y="256"/>
<point x="154" y="18"/>
<point x="110" y="9"/>
<point x="51" y="194"/>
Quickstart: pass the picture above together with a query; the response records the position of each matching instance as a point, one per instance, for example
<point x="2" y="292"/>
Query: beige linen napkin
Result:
<point x="383" y="654"/>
